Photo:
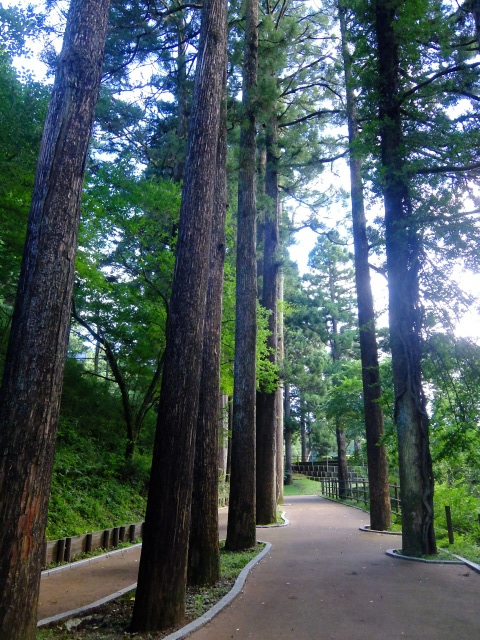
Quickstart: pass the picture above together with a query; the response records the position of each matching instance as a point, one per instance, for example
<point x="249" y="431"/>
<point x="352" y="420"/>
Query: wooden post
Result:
<point x="131" y="533"/>
<point x="106" y="538"/>
<point x="60" y="550"/>
<point x="88" y="542"/>
<point x="448" y="514"/>
<point x="67" y="556"/>
<point x="121" y="534"/>
<point x="44" y="560"/>
<point x="115" y="537"/>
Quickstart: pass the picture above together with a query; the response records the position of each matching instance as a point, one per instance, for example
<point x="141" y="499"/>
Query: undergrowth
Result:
<point x="111" y="620"/>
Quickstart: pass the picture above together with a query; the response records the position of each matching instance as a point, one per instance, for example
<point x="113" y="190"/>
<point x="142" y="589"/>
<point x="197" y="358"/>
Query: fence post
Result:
<point x="448" y="515"/>
<point x="60" y="550"/>
<point x="44" y="557"/>
<point x="131" y="533"/>
<point x="68" y="550"/>
<point x="121" y="534"/>
<point x="106" y="538"/>
<point x="115" y="537"/>
<point x="88" y="542"/>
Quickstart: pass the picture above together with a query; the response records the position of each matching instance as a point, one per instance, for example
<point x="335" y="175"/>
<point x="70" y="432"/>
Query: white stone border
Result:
<point x="189" y="628"/>
<point x="285" y="522"/>
<point x="393" y="553"/>
<point x="368" y="529"/>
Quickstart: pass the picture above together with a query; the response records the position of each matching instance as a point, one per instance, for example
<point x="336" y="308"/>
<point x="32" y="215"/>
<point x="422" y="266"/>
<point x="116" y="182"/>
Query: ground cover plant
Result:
<point x="111" y="620"/>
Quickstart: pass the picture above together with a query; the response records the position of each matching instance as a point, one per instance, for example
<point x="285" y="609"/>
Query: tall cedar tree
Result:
<point x="266" y="418"/>
<point x="32" y="382"/>
<point x="160" y="599"/>
<point x="380" y="509"/>
<point x="330" y="282"/>
<point x="203" y="551"/>
<point x="241" y="532"/>
<point x="403" y="261"/>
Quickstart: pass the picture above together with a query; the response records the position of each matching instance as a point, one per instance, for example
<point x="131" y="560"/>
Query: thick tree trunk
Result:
<point x="403" y="256"/>
<point x="241" y="531"/>
<point x="203" y="552"/>
<point x="266" y="400"/>
<point x="380" y="509"/>
<point x="32" y="382"/>
<point x="160" y="598"/>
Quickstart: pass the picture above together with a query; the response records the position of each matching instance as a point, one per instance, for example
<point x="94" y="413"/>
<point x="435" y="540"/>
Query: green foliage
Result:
<point x="22" y="111"/>
<point x="89" y="490"/>
<point x="92" y="487"/>
<point x="267" y="371"/>
<point x="465" y="509"/>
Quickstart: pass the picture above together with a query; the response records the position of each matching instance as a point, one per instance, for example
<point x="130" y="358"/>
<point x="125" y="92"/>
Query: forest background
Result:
<point x="129" y="224"/>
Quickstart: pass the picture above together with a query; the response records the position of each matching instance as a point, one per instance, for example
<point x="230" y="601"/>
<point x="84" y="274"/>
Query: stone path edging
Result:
<point x="181" y="633"/>
<point x="367" y="529"/>
<point x="393" y="553"/>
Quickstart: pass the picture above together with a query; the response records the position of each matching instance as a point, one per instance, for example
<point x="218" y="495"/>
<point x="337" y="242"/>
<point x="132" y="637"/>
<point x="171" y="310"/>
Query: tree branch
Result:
<point x="309" y="116"/>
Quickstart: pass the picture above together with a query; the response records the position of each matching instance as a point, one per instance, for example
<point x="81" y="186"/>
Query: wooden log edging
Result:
<point x="65" y="549"/>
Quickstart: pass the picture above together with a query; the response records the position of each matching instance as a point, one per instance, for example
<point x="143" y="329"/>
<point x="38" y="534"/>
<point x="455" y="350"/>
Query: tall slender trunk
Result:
<point x="160" y="597"/>
<point x="380" y="509"/>
<point x="279" y="395"/>
<point x="241" y="531"/>
<point x="342" y="461"/>
<point x="203" y="551"/>
<point x="303" y="430"/>
<point x="339" y="428"/>
<point x="266" y="400"/>
<point x="33" y="374"/>
<point x="403" y="248"/>
<point x="288" y="436"/>
<point x="223" y="437"/>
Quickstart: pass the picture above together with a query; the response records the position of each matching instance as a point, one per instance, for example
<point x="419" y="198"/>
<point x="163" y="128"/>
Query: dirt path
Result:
<point x="324" y="579"/>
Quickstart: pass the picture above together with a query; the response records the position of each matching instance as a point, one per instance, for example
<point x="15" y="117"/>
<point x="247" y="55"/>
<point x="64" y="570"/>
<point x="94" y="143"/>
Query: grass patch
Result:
<point x="301" y="486"/>
<point x="111" y="620"/>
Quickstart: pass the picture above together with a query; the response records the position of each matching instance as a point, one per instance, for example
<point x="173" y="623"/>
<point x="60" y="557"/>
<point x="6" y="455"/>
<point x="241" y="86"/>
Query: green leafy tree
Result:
<point x="124" y="274"/>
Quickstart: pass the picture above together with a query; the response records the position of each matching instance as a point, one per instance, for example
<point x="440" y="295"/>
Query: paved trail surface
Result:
<point x="323" y="580"/>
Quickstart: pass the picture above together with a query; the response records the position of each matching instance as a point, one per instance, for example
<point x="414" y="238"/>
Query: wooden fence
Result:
<point x="357" y="489"/>
<point x="65" y="549"/>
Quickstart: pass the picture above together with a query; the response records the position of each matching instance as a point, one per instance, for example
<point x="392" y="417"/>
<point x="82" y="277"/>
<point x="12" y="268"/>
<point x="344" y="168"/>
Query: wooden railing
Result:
<point x="65" y="549"/>
<point x="357" y="489"/>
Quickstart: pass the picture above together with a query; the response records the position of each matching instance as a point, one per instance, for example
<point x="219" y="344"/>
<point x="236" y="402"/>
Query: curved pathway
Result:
<point x="324" y="579"/>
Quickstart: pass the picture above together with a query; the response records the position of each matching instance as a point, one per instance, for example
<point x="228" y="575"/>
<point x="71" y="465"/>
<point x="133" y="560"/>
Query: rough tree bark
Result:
<point x="266" y="440"/>
<point x="241" y="532"/>
<point x="160" y="598"/>
<point x="380" y="509"/>
<point x="203" y="552"/>
<point x="32" y="381"/>
<point x="403" y="248"/>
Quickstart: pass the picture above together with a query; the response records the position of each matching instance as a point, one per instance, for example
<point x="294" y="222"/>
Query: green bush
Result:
<point x="465" y="508"/>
